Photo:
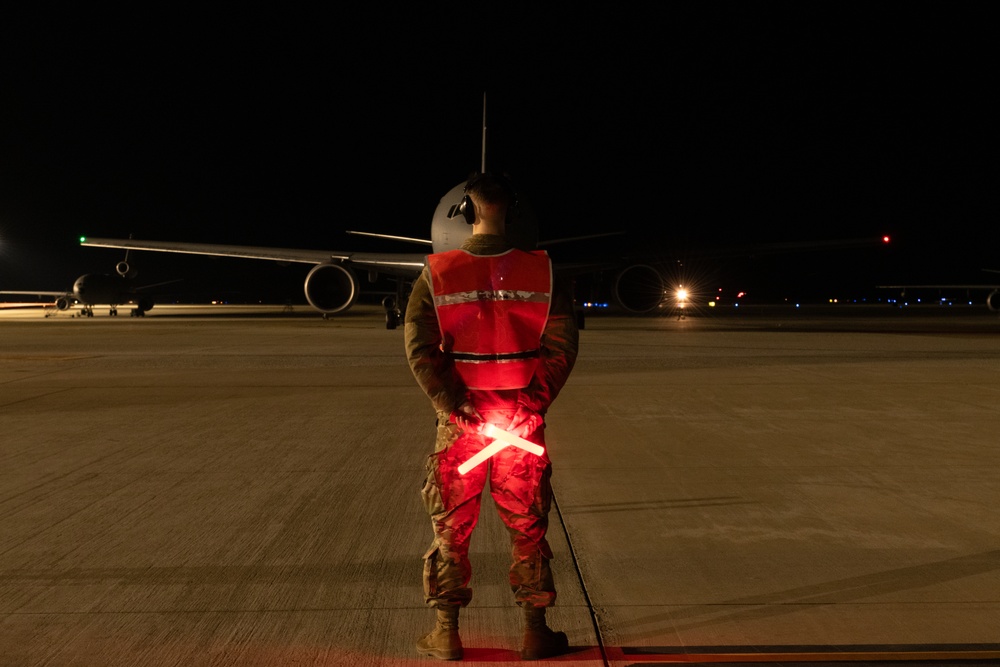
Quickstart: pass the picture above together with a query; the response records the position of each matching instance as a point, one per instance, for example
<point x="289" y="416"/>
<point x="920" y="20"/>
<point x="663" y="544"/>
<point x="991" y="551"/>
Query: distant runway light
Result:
<point x="885" y="239"/>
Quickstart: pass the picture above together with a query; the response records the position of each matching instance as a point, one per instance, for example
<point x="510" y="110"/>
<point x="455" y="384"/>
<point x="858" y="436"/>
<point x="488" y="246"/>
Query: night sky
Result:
<point x="693" y="127"/>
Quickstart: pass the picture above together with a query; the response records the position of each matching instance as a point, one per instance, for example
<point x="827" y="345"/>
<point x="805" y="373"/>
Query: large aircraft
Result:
<point x="992" y="296"/>
<point x="93" y="289"/>
<point x="332" y="285"/>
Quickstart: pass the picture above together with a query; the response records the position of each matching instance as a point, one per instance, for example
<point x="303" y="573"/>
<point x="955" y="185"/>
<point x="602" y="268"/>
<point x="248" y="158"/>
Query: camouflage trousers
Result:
<point x="519" y="485"/>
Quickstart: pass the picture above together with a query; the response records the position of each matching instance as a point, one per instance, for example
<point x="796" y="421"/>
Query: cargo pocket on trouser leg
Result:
<point x="530" y="575"/>
<point x="430" y="492"/>
<point x="446" y="578"/>
<point x="431" y="576"/>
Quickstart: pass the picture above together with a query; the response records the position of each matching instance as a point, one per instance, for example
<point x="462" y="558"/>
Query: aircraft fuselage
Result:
<point x="93" y="289"/>
<point x="449" y="230"/>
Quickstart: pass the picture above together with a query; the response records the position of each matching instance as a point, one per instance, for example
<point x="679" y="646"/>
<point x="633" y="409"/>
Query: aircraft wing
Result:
<point x="36" y="293"/>
<point x="956" y="286"/>
<point x="992" y="298"/>
<point x="993" y="286"/>
<point x="393" y="263"/>
<point x="62" y="299"/>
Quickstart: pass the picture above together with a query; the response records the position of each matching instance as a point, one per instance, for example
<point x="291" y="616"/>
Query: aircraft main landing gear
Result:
<point x="395" y="306"/>
<point x="392" y="315"/>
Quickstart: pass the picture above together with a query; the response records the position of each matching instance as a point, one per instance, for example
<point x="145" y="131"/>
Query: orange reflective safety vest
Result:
<point x="492" y="311"/>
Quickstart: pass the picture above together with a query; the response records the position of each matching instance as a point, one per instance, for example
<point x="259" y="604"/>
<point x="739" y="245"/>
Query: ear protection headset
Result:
<point x="468" y="209"/>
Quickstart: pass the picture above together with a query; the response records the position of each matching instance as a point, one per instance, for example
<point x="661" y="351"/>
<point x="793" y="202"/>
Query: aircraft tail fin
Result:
<point x="482" y="167"/>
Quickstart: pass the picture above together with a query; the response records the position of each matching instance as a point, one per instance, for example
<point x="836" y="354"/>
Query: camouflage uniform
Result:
<point x="519" y="480"/>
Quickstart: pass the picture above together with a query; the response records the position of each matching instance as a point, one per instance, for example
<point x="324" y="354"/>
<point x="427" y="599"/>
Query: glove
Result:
<point x="525" y="422"/>
<point x="467" y="418"/>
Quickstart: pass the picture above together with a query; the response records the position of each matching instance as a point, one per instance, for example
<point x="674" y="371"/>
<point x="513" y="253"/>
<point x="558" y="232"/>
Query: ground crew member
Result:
<point x="490" y="338"/>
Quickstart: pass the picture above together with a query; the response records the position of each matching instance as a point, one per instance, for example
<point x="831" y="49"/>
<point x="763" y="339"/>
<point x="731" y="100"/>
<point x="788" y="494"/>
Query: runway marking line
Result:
<point x="812" y="655"/>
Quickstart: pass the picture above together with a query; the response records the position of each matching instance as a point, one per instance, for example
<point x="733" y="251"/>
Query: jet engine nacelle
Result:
<point x="125" y="270"/>
<point x="638" y="288"/>
<point x="62" y="303"/>
<point x="993" y="300"/>
<point x="331" y="288"/>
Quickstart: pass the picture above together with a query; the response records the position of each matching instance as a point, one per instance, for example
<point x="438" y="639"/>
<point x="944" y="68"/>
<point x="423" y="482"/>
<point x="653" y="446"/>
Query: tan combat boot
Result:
<point x="540" y="641"/>
<point x="443" y="641"/>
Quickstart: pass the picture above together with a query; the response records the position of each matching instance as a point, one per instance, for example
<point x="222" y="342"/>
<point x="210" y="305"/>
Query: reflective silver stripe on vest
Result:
<point x="494" y="295"/>
<point x="477" y="358"/>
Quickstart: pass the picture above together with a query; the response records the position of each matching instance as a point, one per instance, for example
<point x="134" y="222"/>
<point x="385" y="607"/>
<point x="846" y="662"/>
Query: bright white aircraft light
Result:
<point x="501" y="439"/>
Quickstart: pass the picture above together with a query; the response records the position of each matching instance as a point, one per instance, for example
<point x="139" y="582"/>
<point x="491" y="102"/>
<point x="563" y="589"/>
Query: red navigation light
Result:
<point x="885" y="239"/>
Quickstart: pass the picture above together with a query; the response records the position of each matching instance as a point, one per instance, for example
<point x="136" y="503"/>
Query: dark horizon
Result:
<point x="691" y="130"/>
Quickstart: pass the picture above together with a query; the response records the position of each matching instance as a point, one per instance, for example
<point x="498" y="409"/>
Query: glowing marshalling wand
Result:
<point x="501" y="439"/>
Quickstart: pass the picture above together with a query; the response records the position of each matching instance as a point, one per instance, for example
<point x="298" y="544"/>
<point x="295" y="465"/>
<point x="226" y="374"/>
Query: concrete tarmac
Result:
<point x="233" y="487"/>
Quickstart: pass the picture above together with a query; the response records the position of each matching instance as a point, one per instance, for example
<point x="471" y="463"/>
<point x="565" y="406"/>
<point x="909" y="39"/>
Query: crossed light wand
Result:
<point x="501" y="439"/>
